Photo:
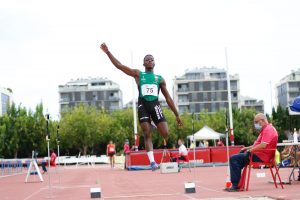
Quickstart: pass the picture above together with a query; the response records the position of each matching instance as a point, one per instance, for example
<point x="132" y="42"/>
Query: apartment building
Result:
<point x="100" y="92"/>
<point x="205" y="88"/>
<point x="5" y="99"/>
<point x="288" y="88"/>
<point x="252" y="103"/>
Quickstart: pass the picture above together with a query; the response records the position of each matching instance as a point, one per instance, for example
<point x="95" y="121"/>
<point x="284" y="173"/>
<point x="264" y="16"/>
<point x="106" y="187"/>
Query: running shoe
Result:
<point x="232" y="189"/>
<point x="154" y="166"/>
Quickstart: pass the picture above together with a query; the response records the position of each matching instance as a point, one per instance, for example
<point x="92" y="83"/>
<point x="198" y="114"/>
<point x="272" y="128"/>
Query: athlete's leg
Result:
<point x="159" y="119"/>
<point x="146" y="128"/>
<point x="110" y="160"/>
<point x="113" y="161"/>
<point x="163" y="129"/>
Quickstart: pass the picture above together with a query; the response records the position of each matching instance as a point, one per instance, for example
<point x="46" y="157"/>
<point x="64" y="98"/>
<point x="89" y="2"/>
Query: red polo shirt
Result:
<point x="126" y="148"/>
<point x="268" y="135"/>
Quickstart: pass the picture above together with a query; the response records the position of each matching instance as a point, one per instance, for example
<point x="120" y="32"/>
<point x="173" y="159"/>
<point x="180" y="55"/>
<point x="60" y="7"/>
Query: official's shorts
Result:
<point x="111" y="154"/>
<point x="150" y="110"/>
<point x="179" y="158"/>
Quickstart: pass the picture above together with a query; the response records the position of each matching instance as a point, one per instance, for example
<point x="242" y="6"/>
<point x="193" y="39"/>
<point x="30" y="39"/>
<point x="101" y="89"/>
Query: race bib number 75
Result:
<point x="149" y="89"/>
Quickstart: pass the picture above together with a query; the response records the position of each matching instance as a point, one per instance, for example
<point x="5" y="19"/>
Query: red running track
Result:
<point x="75" y="183"/>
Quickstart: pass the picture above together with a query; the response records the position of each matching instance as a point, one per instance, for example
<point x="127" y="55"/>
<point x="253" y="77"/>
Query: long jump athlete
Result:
<point x="149" y="86"/>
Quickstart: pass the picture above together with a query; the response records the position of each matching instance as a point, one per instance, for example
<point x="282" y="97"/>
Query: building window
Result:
<point x="207" y="106"/>
<point x="95" y="97"/>
<point x="64" y="97"/>
<point x="234" y="96"/>
<point x="194" y="96"/>
<point x="89" y="96"/>
<point x="219" y="96"/>
<point x="192" y="108"/>
<point x="114" y="105"/>
<point x="206" y="86"/>
<point x="77" y="96"/>
<point x="222" y="85"/>
<point x="233" y="85"/>
<point x="113" y="96"/>
<point x="82" y="96"/>
<point x="192" y="86"/>
<point x="98" y="84"/>
<point x="213" y="107"/>
<point x="212" y="86"/>
<point x="193" y="76"/>
<point x="183" y="109"/>
<point x="182" y="98"/>
<point x="213" y="96"/>
<point x="64" y="107"/>
<point x="200" y="86"/>
<point x="182" y="87"/>
<point x="224" y="96"/>
<point x="4" y="102"/>
<point x="218" y="75"/>
<point x="205" y="98"/>
<point x="200" y="107"/>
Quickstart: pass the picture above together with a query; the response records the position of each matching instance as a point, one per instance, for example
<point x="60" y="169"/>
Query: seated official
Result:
<point x="267" y="139"/>
<point x="183" y="153"/>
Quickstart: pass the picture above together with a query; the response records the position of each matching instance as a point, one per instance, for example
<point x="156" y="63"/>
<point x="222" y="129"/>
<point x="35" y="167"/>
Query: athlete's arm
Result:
<point x="131" y="72"/>
<point x="169" y="101"/>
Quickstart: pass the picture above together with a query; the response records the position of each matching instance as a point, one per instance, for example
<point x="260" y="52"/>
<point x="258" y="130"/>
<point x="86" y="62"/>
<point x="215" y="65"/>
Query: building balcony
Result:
<point x="294" y="89"/>
<point x="114" y="107"/>
<point x="183" y="103"/>
<point x="71" y="88"/>
<point x="64" y="100"/>
<point x="183" y="90"/>
<point x="113" y="98"/>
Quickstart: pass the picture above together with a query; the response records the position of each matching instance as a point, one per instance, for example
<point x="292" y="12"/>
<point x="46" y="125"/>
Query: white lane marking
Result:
<point x="140" y="195"/>
<point x="33" y="194"/>
<point x="5" y="176"/>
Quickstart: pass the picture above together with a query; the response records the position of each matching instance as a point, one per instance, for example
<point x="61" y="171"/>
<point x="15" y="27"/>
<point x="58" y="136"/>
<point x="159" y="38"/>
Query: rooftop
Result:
<point x="206" y="73"/>
<point x="293" y="76"/>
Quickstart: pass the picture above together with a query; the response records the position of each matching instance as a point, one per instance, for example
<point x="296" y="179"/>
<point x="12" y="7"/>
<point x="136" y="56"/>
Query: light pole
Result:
<point x="231" y="134"/>
<point x="48" y="144"/>
<point x="271" y="96"/>
<point x="58" y="140"/>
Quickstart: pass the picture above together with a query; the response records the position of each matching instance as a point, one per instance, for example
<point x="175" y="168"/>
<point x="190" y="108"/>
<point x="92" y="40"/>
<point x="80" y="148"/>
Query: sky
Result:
<point x="44" y="44"/>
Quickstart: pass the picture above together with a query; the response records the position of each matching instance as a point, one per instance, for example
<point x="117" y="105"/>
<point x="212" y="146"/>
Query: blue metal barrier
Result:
<point x="9" y="167"/>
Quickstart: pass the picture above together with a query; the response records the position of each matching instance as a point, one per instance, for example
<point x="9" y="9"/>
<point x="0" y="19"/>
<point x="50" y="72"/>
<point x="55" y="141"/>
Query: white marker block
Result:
<point x="190" y="187"/>
<point x="95" y="192"/>
<point x="261" y="175"/>
<point x="169" y="167"/>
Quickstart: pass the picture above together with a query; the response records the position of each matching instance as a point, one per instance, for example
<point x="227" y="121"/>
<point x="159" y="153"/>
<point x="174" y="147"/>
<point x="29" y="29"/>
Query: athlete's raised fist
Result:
<point x="104" y="47"/>
<point x="179" y="122"/>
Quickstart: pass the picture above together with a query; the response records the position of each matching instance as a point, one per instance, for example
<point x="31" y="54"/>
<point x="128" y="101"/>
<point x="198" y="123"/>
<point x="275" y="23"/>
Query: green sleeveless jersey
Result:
<point x="149" y="86"/>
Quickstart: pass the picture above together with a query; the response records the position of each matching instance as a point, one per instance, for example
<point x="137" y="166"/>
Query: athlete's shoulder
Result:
<point x="158" y="76"/>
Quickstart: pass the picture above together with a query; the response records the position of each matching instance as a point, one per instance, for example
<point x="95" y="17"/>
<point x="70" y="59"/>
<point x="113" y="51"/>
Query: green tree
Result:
<point x="244" y="132"/>
<point x="121" y="127"/>
<point x="80" y="127"/>
<point x="11" y="137"/>
<point x="282" y="121"/>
